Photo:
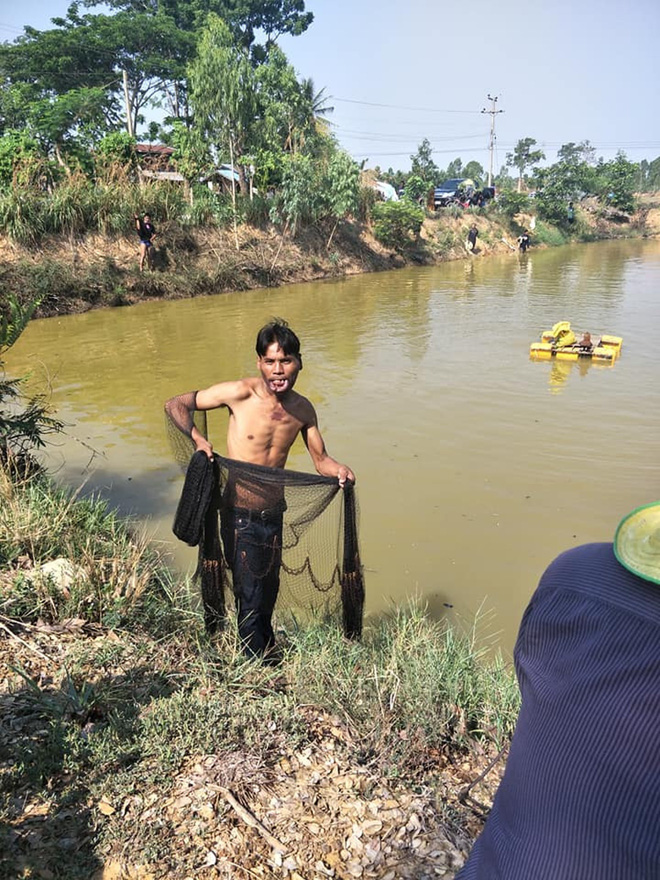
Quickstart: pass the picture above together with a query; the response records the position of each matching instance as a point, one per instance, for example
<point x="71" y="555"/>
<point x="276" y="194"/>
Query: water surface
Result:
<point x="475" y="465"/>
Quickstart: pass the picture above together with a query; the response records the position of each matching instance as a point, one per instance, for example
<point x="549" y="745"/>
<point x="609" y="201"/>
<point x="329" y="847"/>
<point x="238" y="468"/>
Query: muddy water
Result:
<point x="475" y="465"/>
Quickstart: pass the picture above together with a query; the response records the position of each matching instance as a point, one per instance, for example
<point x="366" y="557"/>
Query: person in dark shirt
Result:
<point x="523" y="242"/>
<point x="472" y="237"/>
<point x="147" y="232"/>
<point x="580" y="796"/>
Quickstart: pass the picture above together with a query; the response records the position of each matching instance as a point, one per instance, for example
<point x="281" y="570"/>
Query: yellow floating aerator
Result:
<point x="564" y="344"/>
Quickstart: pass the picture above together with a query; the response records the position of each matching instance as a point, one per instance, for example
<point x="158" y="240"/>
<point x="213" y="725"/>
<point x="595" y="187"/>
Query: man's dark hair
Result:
<point x="278" y="331"/>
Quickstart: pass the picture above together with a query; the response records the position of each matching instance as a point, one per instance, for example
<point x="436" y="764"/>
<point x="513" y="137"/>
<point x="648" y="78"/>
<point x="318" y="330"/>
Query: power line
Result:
<point x="400" y="106"/>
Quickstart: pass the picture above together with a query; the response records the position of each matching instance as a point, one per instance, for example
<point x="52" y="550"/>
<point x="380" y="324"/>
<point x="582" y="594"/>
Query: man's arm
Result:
<point x="181" y="409"/>
<point x="325" y="464"/>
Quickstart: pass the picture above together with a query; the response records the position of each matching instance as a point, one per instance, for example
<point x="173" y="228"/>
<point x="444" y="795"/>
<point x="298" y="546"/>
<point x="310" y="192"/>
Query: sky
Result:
<point x="399" y="71"/>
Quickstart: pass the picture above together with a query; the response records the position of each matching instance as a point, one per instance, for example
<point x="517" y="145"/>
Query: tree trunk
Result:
<point x="60" y="160"/>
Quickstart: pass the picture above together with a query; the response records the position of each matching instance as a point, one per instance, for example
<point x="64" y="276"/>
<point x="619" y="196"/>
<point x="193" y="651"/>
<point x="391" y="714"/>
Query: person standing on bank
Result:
<point x="472" y="238"/>
<point x="265" y="417"/>
<point x="147" y="232"/>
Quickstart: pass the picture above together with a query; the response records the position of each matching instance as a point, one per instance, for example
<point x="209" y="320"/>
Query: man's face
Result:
<point x="278" y="370"/>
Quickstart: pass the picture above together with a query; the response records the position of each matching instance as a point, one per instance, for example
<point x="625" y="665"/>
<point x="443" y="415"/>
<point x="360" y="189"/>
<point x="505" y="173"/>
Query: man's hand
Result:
<point x="345" y="473"/>
<point x="204" y="446"/>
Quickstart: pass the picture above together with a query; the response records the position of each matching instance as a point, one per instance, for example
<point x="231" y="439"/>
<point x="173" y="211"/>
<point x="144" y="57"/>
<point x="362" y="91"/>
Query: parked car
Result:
<point x="451" y="190"/>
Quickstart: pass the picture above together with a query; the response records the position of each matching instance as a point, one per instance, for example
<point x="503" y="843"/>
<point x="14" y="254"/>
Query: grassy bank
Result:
<point x="132" y="743"/>
<point x="84" y="270"/>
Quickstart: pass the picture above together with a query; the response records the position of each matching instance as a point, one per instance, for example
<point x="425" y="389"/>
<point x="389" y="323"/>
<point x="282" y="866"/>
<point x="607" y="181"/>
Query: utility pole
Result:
<point x="493" y="112"/>
<point x="129" y="115"/>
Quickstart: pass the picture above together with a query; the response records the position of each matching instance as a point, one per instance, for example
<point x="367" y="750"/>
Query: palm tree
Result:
<point x="307" y="117"/>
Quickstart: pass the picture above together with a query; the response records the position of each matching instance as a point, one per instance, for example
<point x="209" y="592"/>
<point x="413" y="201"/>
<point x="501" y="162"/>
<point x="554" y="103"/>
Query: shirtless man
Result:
<point x="265" y="417"/>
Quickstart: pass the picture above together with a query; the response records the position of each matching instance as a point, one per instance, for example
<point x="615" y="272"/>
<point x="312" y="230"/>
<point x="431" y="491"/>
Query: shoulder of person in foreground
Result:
<point x="224" y="394"/>
<point x="181" y="407"/>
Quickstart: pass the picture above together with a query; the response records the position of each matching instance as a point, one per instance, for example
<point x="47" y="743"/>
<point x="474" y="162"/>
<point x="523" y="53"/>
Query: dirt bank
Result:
<point x="76" y="274"/>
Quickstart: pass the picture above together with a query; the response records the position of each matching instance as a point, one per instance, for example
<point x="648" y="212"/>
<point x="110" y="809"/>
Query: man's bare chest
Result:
<point x="264" y="421"/>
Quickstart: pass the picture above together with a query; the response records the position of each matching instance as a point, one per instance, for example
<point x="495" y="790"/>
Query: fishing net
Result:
<point x="320" y="565"/>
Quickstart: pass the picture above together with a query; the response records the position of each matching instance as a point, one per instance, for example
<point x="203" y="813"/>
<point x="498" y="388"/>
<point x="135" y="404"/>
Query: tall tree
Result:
<point x="576" y="153"/>
<point x="223" y="91"/>
<point x="524" y="157"/>
<point x="96" y="52"/>
<point x="422" y="164"/>
<point x="138" y="54"/>
<point x="245" y="18"/>
<point x="474" y="170"/>
<point x="620" y="176"/>
<point x="223" y="95"/>
<point x="455" y="168"/>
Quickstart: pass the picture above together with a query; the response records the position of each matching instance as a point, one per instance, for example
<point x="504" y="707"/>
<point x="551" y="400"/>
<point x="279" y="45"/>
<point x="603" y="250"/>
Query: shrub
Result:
<point x="550" y="235"/>
<point x="366" y="201"/>
<point x="22" y="215"/>
<point x="21" y="428"/>
<point x="397" y="224"/>
<point x="510" y="203"/>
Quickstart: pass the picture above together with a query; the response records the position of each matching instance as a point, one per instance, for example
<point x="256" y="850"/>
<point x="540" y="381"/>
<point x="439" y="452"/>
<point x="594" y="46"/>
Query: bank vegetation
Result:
<point x="257" y="190"/>
<point x="133" y="745"/>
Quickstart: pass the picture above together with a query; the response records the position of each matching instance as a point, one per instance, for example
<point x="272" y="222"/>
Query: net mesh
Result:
<point x="320" y="564"/>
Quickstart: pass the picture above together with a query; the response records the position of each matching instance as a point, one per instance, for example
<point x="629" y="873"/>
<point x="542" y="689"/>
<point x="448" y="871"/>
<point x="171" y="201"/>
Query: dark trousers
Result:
<point x="252" y="542"/>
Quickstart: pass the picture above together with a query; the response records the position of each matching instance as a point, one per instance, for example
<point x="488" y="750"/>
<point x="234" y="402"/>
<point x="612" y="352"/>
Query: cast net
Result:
<point x="320" y="566"/>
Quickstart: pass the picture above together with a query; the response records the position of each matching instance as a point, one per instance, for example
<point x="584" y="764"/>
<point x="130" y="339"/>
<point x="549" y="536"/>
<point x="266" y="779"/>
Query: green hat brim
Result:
<point x="637" y="542"/>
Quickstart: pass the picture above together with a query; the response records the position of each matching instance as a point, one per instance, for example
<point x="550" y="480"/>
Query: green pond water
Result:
<point x="475" y="464"/>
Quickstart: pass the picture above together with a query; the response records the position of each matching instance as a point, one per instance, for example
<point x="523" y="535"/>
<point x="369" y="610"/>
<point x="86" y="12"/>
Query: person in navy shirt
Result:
<point x="580" y="796"/>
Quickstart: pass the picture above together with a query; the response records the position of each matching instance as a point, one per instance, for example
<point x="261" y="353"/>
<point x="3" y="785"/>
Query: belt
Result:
<point x="272" y="514"/>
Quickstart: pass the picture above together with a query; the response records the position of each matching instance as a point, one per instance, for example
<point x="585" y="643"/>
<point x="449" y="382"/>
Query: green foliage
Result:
<point x="416" y="188"/>
<point x="524" y="157"/>
<point x="423" y="166"/>
<point x="21" y="427"/>
<point x="549" y="235"/>
<point x="503" y="180"/>
<point x="341" y="185"/>
<point x="245" y="18"/>
<point x="113" y="573"/>
<point x="300" y="198"/>
<point x="551" y="203"/>
<point x="446" y="240"/>
<point x="649" y="175"/>
<point x="115" y="151"/>
<point x="268" y="166"/>
<point x="620" y="177"/>
<point x="367" y="198"/>
<point x="396" y="178"/>
<point x="21" y="215"/>
<point x="397" y="224"/>
<point x="191" y="153"/>
<point x="510" y="202"/>
<point x="454" y="169"/>
<point x="576" y="154"/>
<point x="474" y="170"/>
<point x="21" y="159"/>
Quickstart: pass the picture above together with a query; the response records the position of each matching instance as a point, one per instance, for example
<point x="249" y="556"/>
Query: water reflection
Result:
<point x="423" y="384"/>
<point x="560" y="371"/>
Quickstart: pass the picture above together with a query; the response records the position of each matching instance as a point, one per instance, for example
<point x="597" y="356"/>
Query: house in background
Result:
<point x="384" y="191"/>
<point x="155" y="163"/>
